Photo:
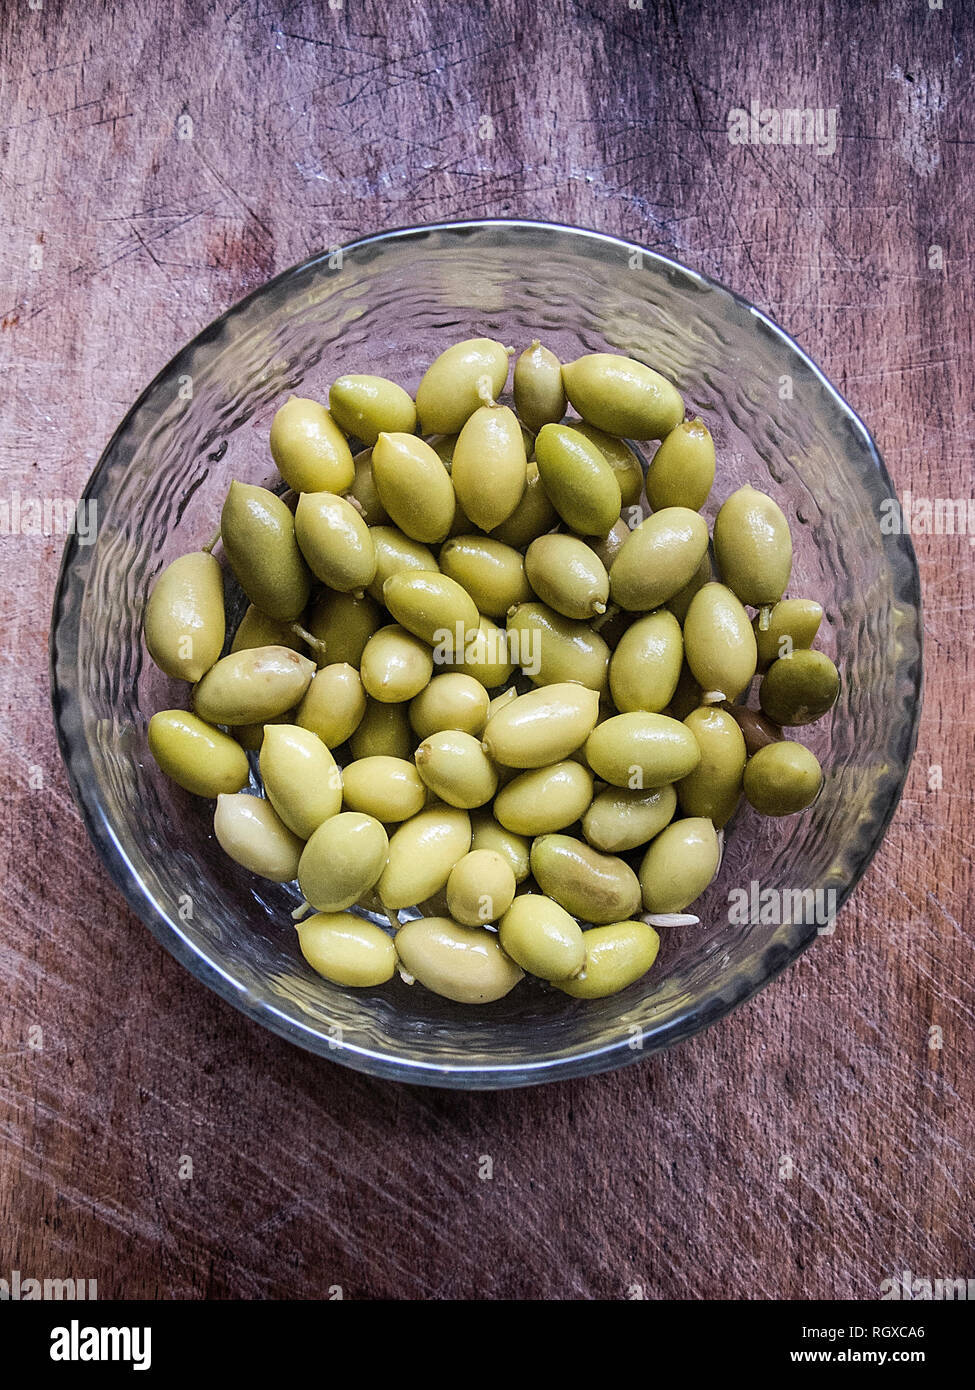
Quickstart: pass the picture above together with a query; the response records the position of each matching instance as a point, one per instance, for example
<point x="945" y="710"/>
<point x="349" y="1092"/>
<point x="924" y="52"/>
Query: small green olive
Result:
<point x="251" y="736"/>
<point x="256" y="629"/>
<point x="450" y="701"/>
<point x="344" y="623"/>
<point x="485" y="657"/>
<point x="620" y="819"/>
<point x="258" y="535"/>
<point x="679" y="864"/>
<point x="252" y="686"/>
<point x="719" y="643"/>
<point x="333" y="704"/>
<point x="311" y="452"/>
<point x="533" y="516"/>
<point x="413" y="486"/>
<point x="542" y="727"/>
<point x="395" y="665"/>
<point x="551" y="649"/>
<point x="544" y="799"/>
<point x="368" y="405"/>
<point x="397" y="553"/>
<point x="196" y="756"/>
<point x="617" y="955"/>
<point x="567" y="575"/>
<point x="390" y="789"/>
<point x="342" y="860"/>
<point x="641" y="751"/>
<point x="184" y="621"/>
<point x="384" y="731"/>
<point x="301" y="778"/>
<point x="799" y="688"/>
<point x="713" y="788"/>
<point x="480" y="888"/>
<point x="682" y="470"/>
<point x="658" y="559"/>
<point x="465" y="964"/>
<point x="487" y="834"/>
<point x="622" y="397"/>
<point x="490" y="571"/>
<point x="580" y="483"/>
<point x="538" y="390"/>
<point x="681" y="601"/>
<point x="542" y="938"/>
<point x="753" y="547"/>
<point x="645" y="667"/>
<point x="253" y="834"/>
<point x="620" y="457"/>
<point x="364" y="493"/>
<point x="607" y="548"/>
<point x="456" y="769"/>
<point x="347" y="950"/>
<point x="422" y="853"/>
<point x="335" y="541"/>
<point x="792" y="624"/>
<point x="463" y="378"/>
<point x="687" y="697"/>
<point x="592" y="886"/>
<point x="489" y="466"/>
<point x="782" y="778"/>
<point x="431" y="605"/>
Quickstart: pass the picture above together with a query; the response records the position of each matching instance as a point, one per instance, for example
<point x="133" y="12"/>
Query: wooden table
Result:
<point x="159" y="161"/>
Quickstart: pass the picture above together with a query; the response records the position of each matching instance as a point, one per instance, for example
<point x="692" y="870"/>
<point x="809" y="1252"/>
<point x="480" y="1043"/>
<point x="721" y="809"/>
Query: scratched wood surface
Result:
<point x="159" y="160"/>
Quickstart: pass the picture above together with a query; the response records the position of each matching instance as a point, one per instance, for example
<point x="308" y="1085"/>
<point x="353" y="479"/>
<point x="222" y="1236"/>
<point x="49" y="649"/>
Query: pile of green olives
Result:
<point x="479" y="681"/>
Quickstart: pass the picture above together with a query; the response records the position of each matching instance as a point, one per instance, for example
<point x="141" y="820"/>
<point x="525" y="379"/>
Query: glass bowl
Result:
<point x="388" y="304"/>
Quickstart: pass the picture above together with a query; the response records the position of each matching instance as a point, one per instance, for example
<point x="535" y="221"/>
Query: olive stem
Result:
<point x="308" y="638"/>
<point x="301" y="911"/>
<point x="764" y="617"/>
<point x="405" y="975"/>
<point x="713" y="697"/>
<point x="208" y="548"/>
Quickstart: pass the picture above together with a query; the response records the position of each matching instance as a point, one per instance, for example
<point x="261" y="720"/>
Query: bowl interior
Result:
<point x="388" y="305"/>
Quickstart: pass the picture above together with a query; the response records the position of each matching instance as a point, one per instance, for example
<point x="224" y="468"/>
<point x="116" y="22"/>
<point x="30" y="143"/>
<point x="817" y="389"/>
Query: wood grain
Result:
<point x="312" y="124"/>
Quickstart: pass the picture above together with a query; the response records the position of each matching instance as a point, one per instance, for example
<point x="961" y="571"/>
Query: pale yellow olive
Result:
<point x="792" y="625"/>
<point x="397" y="553"/>
<point x="799" y="688"/>
<point x="384" y="731"/>
<point x="390" y="789"/>
<point x="413" y="486"/>
<point x="465" y="964"/>
<point x="431" y="605"/>
<point x="622" y="397"/>
<point x="196" y="756"/>
<point x="658" y="559"/>
<point x="679" y="864"/>
<point x="714" y="787"/>
<point x="552" y="649"/>
<point x="395" y="665"/>
<point x="344" y="623"/>
<point x="301" y="778"/>
<point x="608" y="547"/>
<point x="641" y="750"/>
<point x="533" y="516"/>
<point x="592" y="886"/>
<point x="463" y="378"/>
<point x="485" y="657"/>
<point x="682" y="470"/>
<point x="184" y="621"/>
<point x="258" y="534"/>
<point x="542" y="938"/>
<point x="567" y="575"/>
<point x="311" y="452"/>
<point x="364" y="494"/>
<point x="367" y="405"/>
<point x="542" y="727"/>
<point x="616" y="956"/>
<point x="538" y="391"/>
<point x="753" y="547"/>
<point x="256" y="629"/>
<point x="580" y="483"/>
<point x="719" y="644"/>
<point x="335" y="541"/>
<point x="450" y="701"/>
<point x="782" y="778"/>
<point x="480" y="888"/>
<point x="487" y="834"/>
<point x="681" y="601"/>
<point x="620" y="819"/>
<point x="490" y="571"/>
<point x="456" y="769"/>
<point x="645" y="667"/>
<point x="333" y="705"/>
<point x="544" y="799"/>
<point x="343" y="860"/>
<point x="250" y="830"/>
<point x="422" y="852"/>
<point x="757" y="731"/>
<point x="489" y="466"/>
<point x="620" y="457"/>
<point x="347" y="950"/>
<point x="252" y="686"/>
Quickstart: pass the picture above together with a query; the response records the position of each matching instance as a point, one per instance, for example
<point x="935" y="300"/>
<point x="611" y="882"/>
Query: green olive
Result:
<point x="489" y="467"/>
<point x="344" y="623"/>
<point x="542" y="938"/>
<point x="390" y="789"/>
<point x="487" y="834"/>
<point x="343" y="860"/>
<point x="463" y="378"/>
<point x="753" y="547"/>
<point x="251" y="736"/>
<point x="641" y="751"/>
<point x="580" y="483"/>
<point x="533" y="516"/>
<point x="792" y="625"/>
<point x="422" y="853"/>
<point x="431" y="606"/>
<point x="335" y="541"/>
<point x="397" y="553"/>
<point x="450" y="701"/>
<point x="607" y="548"/>
<point x="301" y="778"/>
<point x="719" y="643"/>
<point x="490" y="571"/>
<point x="395" y="665"/>
<point x="366" y="406"/>
<point x="616" y="956"/>
<point x="456" y="769"/>
<point x="480" y="888"/>
<point x="544" y="799"/>
<point x="567" y="575"/>
<point x="196" y="756"/>
<point x="333" y="704"/>
<point x="682" y="470"/>
<point x="258" y="535"/>
<point x="413" y="486"/>
<point x="592" y="886"/>
<point x="620" y="457"/>
<point x="364" y="493"/>
<point x="311" y="452"/>
<point x="679" y="864"/>
<point x="758" y="732"/>
<point x="184" y="621"/>
<point x="465" y="964"/>
<point x="384" y="731"/>
<point x="542" y="727"/>
<point x="782" y="778"/>
<point x="612" y="625"/>
<point x="250" y="830"/>
<point x="443" y="446"/>
<point x="681" y="601"/>
<point x="645" y="667"/>
<point x="658" y="558"/>
<point x="347" y="950"/>
<point x="687" y="697"/>
<point x="713" y="788"/>
<point x="486" y="656"/>
<point x="799" y="688"/>
<point x="620" y="819"/>
<point x="252" y="686"/>
<point x="552" y="649"/>
<point x="622" y="397"/>
<point x="538" y="390"/>
<point x="256" y="629"/>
